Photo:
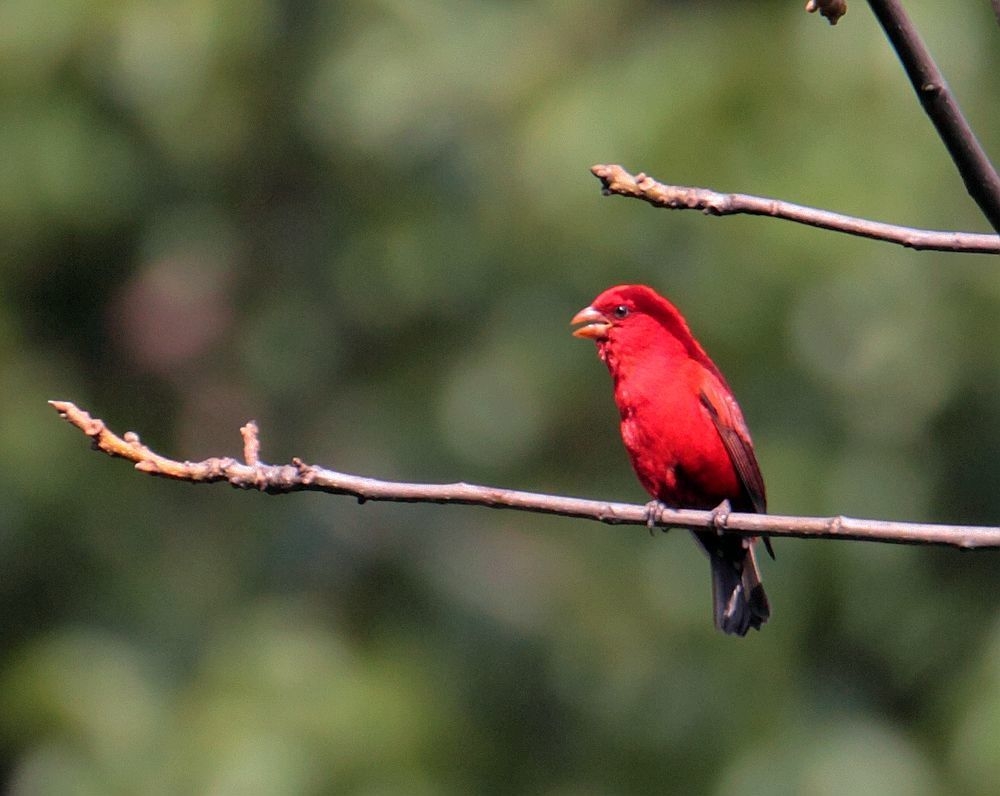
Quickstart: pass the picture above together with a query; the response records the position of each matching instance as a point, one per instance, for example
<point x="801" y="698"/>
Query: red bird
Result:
<point x="684" y="433"/>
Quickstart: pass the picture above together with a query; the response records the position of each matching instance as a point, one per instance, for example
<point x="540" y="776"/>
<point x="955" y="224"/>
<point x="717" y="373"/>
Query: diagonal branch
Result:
<point x="299" y="476"/>
<point x="981" y="180"/>
<point x="617" y="180"/>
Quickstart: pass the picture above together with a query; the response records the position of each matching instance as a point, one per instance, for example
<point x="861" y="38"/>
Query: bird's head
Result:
<point x="625" y="308"/>
<point x="634" y="318"/>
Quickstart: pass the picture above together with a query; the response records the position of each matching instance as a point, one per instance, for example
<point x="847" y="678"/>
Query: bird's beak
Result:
<point x="596" y="324"/>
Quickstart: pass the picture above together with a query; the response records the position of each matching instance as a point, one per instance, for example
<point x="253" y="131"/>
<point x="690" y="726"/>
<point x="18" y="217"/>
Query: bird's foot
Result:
<point x="720" y="516"/>
<point x="653" y="513"/>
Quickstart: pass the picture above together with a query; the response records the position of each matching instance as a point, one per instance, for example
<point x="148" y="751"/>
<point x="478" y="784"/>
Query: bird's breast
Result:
<point x="675" y="448"/>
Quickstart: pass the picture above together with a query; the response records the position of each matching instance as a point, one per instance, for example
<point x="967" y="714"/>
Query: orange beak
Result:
<point x="596" y="324"/>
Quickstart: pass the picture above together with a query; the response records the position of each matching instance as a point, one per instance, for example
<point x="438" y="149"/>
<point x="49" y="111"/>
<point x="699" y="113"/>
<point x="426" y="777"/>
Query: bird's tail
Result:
<point x="737" y="594"/>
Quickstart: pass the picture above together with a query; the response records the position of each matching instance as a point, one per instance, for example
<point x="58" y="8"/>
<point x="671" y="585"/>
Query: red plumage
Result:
<point x="684" y="433"/>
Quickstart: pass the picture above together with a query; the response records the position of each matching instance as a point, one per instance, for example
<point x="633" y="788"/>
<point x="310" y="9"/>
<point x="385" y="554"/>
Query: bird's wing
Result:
<point x="728" y="421"/>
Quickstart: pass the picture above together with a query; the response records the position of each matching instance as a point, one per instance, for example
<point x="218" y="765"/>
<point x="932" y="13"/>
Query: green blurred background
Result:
<point x="366" y="224"/>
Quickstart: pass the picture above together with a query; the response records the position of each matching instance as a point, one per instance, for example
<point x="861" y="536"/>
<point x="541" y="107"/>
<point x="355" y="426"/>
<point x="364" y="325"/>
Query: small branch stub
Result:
<point x="833" y="10"/>
<point x="299" y="476"/>
<point x="251" y="443"/>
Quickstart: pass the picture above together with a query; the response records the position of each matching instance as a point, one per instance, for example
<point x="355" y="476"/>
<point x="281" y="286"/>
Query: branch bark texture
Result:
<point x="981" y="180"/>
<point x="616" y="180"/>
<point x="299" y="476"/>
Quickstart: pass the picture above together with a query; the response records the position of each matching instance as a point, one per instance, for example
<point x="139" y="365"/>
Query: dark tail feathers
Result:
<point x="738" y="596"/>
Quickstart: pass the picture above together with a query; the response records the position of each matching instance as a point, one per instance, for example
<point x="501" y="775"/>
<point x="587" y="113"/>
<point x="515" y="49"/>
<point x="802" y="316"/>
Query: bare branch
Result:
<point x="981" y="180"/>
<point x="299" y="476"/>
<point x="996" y="9"/>
<point x="617" y="180"/>
<point x="833" y="10"/>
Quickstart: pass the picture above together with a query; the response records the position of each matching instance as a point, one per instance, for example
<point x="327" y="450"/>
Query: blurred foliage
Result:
<point x="367" y="224"/>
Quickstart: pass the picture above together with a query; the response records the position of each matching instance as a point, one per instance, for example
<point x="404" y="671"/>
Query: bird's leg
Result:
<point x="653" y="509"/>
<point x="720" y="514"/>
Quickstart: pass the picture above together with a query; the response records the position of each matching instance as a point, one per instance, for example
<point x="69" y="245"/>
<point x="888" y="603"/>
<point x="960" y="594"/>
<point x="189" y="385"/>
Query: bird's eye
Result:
<point x="620" y="311"/>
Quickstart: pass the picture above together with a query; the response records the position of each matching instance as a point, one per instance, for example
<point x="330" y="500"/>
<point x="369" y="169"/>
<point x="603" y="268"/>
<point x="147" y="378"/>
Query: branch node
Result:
<point x="216" y="469"/>
<point x="92" y="427"/>
<point x="306" y="472"/>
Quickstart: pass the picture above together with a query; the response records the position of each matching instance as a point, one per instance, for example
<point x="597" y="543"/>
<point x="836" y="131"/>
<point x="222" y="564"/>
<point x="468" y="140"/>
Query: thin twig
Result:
<point x="299" y="476"/>
<point x="981" y="180"/>
<point x="616" y="180"/>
